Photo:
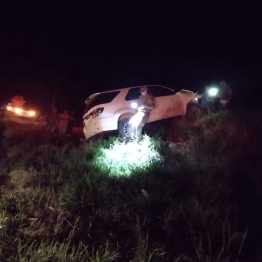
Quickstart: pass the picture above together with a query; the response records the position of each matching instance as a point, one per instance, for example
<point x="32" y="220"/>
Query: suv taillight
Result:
<point x="97" y="112"/>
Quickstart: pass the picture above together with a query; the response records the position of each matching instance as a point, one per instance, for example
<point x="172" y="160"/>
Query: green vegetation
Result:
<point x="192" y="192"/>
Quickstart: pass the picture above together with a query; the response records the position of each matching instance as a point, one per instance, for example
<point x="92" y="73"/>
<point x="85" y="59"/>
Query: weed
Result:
<point x="173" y="198"/>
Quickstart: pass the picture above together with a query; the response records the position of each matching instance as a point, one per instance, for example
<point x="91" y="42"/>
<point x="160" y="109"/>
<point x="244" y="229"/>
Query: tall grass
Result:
<point x="172" y="199"/>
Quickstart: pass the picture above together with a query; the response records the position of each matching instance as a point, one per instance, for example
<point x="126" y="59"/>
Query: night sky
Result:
<point x="83" y="49"/>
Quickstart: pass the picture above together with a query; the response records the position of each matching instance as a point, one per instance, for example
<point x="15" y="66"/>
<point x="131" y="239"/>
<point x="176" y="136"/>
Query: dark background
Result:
<point x="82" y="49"/>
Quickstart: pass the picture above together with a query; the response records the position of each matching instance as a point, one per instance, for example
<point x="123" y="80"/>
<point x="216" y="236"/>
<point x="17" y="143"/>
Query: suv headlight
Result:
<point x="31" y="113"/>
<point x="18" y="110"/>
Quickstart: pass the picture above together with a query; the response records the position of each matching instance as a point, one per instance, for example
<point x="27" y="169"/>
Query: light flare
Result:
<point x="18" y="110"/>
<point x="136" y="119"/>
<point x="134" y="105"/>
<point x="31" y="113"/>
<point x="213" y="91"/>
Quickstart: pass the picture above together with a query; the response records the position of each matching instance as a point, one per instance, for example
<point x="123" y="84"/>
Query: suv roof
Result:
<point x="119" y="89"/>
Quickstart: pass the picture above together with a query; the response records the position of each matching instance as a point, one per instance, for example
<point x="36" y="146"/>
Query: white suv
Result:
<point x="112" y="110"/>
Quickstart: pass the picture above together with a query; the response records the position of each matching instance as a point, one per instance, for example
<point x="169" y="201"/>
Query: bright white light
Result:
<point x="31" y="113"/>
<point x="18" y="110"/>
<point x="134" y="105"/>
<point x="136" y="119"/>
<point x="213" y="91"/>
<point x="121" y="158"/>
<point x="9" y="108"/>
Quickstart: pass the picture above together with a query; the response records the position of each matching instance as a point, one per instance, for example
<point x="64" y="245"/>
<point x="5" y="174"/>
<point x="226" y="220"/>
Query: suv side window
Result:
<point x="160" y="91"/>
<point x="133" y="94"/>
<point x="103" y="98"/>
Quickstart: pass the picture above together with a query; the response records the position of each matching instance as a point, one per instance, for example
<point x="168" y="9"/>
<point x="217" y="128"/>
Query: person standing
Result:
<point x="225" y="95"/>
<point x="52" y="120"/>
<point x="207" y="101"/>
<point x="64" y="118"/>
<point x="71" y="123"/>
<point x="145" y="105"/>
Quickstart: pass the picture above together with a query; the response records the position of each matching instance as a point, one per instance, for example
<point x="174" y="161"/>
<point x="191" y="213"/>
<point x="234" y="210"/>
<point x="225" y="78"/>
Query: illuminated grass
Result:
<point x="109" y="201"/>
<point x="120" y="159"/>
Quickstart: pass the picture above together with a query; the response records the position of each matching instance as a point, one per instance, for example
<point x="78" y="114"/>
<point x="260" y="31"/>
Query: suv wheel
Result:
<point x="123" y="128"/>
<point x="194" y="111"/>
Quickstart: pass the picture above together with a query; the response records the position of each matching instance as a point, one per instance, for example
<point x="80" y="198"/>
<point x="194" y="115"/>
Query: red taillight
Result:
<point x="97" y="112"/>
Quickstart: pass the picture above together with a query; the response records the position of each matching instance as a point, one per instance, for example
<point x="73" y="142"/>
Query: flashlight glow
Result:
<point x="134" y="105"/>
<point x="213" y="91"/>
<point x="136" y="119"/>
<point x="123" y="159"/>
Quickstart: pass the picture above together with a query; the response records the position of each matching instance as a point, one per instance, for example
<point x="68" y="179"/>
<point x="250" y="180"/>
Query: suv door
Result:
<point x="168" y="103"/>
<point x="133" y="95"/>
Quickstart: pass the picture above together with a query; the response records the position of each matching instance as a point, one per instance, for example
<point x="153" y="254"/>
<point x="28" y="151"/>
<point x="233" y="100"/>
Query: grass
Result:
<point x="189" y="193"/>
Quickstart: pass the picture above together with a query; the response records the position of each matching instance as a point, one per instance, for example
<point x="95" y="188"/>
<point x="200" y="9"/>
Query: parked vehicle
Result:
<point x="17" y="108"/>
<point x="112" y="110"/>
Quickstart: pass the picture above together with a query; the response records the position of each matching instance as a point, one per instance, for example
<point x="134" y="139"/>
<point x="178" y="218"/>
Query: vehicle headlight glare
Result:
<point x="31" y="113"/>
<point x="18" y="110"/>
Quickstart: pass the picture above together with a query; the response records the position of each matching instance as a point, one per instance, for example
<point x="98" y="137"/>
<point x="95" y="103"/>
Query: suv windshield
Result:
<point x="99" y="99"/>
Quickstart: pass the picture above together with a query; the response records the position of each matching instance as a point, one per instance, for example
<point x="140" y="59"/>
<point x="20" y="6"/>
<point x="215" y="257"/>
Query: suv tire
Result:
<point x="123" y="128"/>
<point x="193" y="112"/>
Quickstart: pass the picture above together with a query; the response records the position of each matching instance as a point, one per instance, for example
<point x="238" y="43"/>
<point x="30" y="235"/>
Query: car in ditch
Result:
<point x="112" y="110"/>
